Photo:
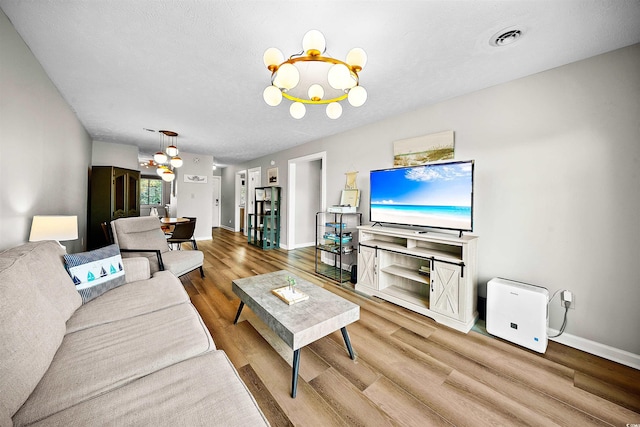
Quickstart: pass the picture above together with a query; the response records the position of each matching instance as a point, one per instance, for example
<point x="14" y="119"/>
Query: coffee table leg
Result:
<point x="296" y="367"/>
<point x="238" y="313"/>
<point x="347" y="341"/>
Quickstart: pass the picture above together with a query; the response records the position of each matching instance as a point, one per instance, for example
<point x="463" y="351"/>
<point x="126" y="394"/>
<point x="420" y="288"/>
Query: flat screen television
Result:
<point x="435" y="195"/>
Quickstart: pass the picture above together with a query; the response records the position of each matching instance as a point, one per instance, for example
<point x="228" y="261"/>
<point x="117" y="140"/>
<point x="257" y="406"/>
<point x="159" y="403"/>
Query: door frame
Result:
<point x="217" y="184"/>
<point x="238" y="199"/>
<point x="291" y="184"/>
<point x="250" y="195"/>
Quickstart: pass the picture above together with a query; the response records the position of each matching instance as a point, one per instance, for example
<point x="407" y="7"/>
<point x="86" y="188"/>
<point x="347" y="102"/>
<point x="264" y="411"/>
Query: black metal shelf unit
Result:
<point x="336" y="244"/>
<point x="263" y="227"/>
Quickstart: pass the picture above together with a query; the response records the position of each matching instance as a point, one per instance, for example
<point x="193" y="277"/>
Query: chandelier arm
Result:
<point x="310" y="58"/>
<point x="310" y="101"/>
<point x="320" y="58"/>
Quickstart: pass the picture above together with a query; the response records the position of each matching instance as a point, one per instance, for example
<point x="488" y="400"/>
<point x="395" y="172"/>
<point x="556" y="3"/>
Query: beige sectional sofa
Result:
<point x="138" y="354"/>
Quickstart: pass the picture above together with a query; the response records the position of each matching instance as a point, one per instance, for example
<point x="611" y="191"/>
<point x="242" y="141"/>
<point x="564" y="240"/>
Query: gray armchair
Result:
<point x="142" y="236"/>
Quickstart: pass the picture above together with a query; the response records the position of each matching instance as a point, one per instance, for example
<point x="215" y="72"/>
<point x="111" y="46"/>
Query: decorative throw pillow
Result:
<point x="95" y="272"/>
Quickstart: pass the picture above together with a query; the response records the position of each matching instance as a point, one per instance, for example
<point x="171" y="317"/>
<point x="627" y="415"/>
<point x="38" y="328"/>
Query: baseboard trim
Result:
<point x="610" y="353"/>
<point x="304" y="245"/>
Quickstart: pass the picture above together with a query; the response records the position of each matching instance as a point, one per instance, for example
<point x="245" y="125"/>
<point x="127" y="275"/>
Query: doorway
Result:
<point x="307" y="195"/>
<point x="254" y="180"/>
<point x="215" y="212"/>
<point x="240" y="200"/>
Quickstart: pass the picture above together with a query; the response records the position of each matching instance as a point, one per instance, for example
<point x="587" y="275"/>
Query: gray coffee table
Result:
<point x="301" y="323"/>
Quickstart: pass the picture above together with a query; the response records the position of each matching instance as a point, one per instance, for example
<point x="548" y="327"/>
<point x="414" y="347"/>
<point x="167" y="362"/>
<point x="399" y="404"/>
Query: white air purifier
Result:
<point x="517" y="312"/>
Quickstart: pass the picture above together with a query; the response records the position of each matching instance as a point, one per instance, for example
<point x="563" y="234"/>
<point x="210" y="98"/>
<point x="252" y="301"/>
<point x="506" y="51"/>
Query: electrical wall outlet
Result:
<point x="568" y="296"/>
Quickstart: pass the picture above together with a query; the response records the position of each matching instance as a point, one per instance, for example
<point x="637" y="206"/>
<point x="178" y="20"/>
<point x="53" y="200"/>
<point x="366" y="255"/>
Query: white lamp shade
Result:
<point x="172" y="151"/>
<point x="334" y="110"/>
<point x="176" y="162"/>
<point x="357" y="96"/>
<point x="297" y="110"/>
<point x="287" y="77"/>
<point x="272" y="57"/>
<point x="339" y="76"/>
<point x="168" y="175"/>
<point x="272" y="96"/>
<point x="160" y="157"/>
<point x="357" y="57"/>
<point x="315" y="91"/>
<point x="160" y="170"/>
<point x="54" y="227"/>
<point x="314" y="40"/>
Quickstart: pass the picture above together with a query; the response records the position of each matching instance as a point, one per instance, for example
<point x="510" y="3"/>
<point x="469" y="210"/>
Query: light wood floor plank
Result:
<point x="347" y="400"/>
<point x="358" y="372"/>
<point x="501" y="386"/>
<point x="409" y="370"/>
<point x="403" y="407"/>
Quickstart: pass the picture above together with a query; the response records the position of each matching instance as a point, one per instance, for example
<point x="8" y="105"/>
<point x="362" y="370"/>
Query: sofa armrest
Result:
<point x="136" y="269"/>
<point x="156" y="251"/>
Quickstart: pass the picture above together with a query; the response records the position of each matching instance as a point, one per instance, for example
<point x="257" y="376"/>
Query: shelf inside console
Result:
<point x="406" y="272"/>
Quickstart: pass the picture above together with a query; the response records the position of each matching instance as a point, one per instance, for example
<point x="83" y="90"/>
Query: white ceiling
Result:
<point x="195" y="66"/>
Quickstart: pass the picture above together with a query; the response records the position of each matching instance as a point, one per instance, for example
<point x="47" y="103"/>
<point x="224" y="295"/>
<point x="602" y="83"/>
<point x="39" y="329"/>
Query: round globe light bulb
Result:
<point x="316" y="92"/>
<point x="334" y="110"/>
<point x="272" y="96"/>
<point x="160" y="171"/>
<point x="357" y="96"/>
<point x="176" y="162"/>
<point x="339" y="76"/>
<point x="314" y="41"/>
<point x="297" y="110"/>
<point x="287" y="77"/>
<point x="357" y="58"/>
<point x="272" y="58"/>
<point x="160" y="157"/>
<point x="168" y="175"/>
<point x="172" y="151"/>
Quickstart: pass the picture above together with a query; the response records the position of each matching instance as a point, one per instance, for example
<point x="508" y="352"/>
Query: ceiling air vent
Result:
<point x="504" y="38"/>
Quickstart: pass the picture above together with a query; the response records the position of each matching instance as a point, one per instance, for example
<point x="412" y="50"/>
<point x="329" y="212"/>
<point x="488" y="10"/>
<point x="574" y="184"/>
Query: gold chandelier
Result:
<point x="167" y="158"/>
<point x="311" y="78"/>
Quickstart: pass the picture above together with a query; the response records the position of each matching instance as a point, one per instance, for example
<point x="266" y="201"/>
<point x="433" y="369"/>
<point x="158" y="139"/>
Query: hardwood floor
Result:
<point x="409" y="370"/>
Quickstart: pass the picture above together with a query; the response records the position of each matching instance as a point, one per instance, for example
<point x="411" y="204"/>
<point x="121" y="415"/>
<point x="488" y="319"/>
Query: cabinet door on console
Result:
<point x="445" y="289"/>
<point x="367" y="267"/>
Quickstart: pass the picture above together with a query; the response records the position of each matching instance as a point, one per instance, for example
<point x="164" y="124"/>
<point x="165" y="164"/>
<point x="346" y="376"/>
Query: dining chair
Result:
<point x="183" y="233"/>
<point x="107" y="232"/>
<point x="142" y="236"/>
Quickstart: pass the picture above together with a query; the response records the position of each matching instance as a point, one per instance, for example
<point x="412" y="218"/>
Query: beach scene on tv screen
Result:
<point x="431" y="196"/>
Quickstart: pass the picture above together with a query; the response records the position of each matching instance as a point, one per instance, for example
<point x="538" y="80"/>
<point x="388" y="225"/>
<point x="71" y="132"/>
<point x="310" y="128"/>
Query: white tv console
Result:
<point x="431" y="273"/>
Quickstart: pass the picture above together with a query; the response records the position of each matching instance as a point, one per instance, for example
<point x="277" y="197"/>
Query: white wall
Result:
<point x="45" y="152"/>
<point x="557" y="183"/>
<point x="196" y="199"/>
<point x="111" y="154"/>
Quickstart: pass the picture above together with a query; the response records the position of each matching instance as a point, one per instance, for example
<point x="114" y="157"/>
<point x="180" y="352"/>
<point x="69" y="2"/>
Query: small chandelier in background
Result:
<point x="310" y="78"/>
<point x="167" y="158"/>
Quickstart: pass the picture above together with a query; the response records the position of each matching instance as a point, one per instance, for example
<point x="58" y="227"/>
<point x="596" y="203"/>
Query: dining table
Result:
<point x="173" y="221"/>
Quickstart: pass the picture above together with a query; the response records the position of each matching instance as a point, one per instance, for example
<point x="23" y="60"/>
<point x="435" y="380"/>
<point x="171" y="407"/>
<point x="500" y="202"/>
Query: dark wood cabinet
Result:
<point x="113" y="193"/>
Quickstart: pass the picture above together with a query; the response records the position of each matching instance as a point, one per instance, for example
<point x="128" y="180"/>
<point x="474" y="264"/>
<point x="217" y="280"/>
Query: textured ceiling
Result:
<point x="195" y="67"/>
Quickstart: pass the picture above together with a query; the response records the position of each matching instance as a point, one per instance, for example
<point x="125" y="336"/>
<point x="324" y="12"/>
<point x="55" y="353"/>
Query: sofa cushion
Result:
<point x="31" y="330"/>
<point x="46" y="272"/>
<point x="95" y="272"/>
<point x="95" y="361"/>
<point x="203" y="391"/>
<point x="145" y="296"/>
